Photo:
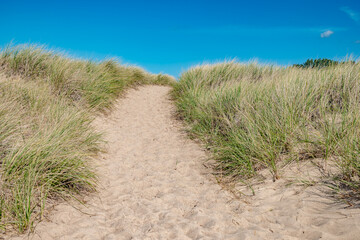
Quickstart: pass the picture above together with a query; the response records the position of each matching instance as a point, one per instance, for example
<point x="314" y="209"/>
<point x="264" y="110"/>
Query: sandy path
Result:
<point x="153" y="186"/>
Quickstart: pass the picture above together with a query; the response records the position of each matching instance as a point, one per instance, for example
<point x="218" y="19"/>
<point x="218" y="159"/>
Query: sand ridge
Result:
<point x="153" y="185"/>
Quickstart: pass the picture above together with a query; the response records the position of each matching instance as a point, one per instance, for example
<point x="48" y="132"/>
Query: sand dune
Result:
<point x="153" y="185"/>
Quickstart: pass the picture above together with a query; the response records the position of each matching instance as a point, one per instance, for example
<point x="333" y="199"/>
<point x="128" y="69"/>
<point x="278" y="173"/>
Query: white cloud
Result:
<point x="352" y="14"/>
<point x="326" y="34"/>
<point x="254" y="30"/>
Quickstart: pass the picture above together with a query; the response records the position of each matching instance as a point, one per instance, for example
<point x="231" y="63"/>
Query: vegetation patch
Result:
<point x="321" y="62"/>
<point x="47" y="104"/>
<point x="261" y="117"/>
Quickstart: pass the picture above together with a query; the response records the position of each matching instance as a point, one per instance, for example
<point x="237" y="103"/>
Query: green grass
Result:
<point x="261" y="117"/>
<point x="47" y="104"/>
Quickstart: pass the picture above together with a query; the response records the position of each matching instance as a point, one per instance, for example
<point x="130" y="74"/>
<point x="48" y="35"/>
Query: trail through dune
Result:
<point x="153" y="185"/>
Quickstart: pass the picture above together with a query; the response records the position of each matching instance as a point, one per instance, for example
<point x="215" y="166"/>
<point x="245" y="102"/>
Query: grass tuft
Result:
<point x="47" y="104"/>
<point x="257" y="117"/>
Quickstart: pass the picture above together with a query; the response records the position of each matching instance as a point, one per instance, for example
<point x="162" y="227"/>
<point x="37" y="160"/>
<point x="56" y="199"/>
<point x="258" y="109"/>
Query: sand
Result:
<point x="153" y="185"/>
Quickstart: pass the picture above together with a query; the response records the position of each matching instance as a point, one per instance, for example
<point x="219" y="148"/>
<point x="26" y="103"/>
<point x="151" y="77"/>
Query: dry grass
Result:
<point x="47" y="104"/>
<point x="256" y="117"/>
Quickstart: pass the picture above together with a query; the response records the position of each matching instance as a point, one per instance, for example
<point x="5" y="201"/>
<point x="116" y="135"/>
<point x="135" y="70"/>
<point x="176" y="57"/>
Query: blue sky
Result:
<point x="170" y="36"/>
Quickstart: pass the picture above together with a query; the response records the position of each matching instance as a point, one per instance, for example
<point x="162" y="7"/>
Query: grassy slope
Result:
<point x="257" y="117"/>
<point x="47" y="104"/>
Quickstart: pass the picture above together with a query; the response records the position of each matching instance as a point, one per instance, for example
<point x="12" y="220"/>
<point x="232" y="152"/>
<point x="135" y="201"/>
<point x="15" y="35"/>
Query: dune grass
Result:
<point x="262" y="117"/>
<point x="47" y="104"/>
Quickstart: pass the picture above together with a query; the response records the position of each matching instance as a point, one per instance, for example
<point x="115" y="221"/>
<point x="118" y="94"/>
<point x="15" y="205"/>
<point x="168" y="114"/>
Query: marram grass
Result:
<point x="256" y="117"/>
<point x="47" y="104"/>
